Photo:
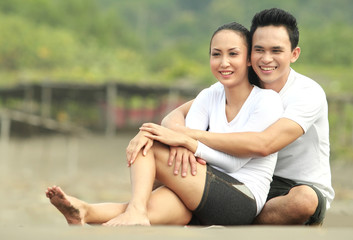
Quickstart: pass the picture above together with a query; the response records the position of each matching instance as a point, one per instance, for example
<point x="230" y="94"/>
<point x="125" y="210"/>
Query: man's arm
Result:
<point x="240" y="144"/>
<point x="246" y="144"/>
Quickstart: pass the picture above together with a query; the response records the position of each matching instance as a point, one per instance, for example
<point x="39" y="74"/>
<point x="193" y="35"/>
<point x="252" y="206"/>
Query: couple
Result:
<point x="237" y="128"/>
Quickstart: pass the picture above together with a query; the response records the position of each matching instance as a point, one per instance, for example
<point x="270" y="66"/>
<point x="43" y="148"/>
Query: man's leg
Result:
<point x="296" y="207"/>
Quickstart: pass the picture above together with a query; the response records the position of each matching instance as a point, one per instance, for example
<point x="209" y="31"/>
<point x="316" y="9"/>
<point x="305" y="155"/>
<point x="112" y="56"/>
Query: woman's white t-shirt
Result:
<point x="261" y="109"/>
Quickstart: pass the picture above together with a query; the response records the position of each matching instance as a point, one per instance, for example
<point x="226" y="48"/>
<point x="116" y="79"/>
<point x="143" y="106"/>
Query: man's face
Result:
<point x="271" y="56"/>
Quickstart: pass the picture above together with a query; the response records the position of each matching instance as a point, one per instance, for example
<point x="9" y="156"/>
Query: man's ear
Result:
<point x="295" y="54"/>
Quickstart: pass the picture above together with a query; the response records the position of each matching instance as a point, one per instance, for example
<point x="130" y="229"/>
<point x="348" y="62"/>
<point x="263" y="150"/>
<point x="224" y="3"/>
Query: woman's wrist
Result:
<point x="191" y="144"/>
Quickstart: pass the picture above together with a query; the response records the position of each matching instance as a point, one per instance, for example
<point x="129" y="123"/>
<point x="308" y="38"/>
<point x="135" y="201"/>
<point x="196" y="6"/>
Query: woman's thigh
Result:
<point x="165" y="207"/>
<point x="190" y="188"/>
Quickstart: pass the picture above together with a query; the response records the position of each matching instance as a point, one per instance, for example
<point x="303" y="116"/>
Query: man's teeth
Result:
<point x="226" y="73"/>
<point x="268" y="68"/>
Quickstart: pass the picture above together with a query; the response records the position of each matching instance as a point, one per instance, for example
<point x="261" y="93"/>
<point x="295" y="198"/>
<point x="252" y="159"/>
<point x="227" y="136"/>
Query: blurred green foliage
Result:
<point x="156" y="41"/>
<point x="165" y="43"/>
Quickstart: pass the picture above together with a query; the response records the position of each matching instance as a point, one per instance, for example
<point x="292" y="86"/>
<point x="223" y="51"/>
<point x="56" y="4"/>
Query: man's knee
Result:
<point x="303" y="201"/>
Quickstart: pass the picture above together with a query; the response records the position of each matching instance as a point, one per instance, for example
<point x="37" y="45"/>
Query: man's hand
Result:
<point x="164" y="135"/>
<point x="138" y="143"/>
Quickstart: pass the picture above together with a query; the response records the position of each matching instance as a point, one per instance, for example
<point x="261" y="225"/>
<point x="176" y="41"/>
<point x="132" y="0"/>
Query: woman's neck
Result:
<point x="237" y="95"/>
<point x="235" y="98"/>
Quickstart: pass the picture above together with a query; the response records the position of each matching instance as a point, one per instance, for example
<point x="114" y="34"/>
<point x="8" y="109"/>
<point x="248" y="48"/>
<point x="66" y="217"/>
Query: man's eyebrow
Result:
<point x="275" y="47"/>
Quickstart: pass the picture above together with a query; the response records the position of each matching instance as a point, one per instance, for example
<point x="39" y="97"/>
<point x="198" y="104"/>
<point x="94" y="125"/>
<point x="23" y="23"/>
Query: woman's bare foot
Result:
<point x="132" y="216"/>
<point x="72" y="208"/>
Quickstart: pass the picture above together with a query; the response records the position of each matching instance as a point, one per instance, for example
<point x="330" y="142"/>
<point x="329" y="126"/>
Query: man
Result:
<point x="301" y="190"/>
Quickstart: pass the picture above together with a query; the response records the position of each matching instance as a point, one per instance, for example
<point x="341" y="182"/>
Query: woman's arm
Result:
<point x="177" y="116"/>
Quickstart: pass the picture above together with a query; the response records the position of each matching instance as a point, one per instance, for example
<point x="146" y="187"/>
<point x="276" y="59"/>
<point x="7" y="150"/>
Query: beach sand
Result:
<point x="93" y="168"/>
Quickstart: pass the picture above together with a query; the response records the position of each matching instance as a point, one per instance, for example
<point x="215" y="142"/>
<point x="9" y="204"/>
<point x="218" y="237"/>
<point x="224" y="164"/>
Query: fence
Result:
<point x="107" y="108"/>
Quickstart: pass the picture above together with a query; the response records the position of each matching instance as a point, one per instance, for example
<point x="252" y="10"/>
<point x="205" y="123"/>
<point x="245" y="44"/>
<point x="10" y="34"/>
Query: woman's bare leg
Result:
<point x="143" y="172"/>
<point x="78" y="212"/>
<point x="164" y="207"/>
<point x="142" y="175"/>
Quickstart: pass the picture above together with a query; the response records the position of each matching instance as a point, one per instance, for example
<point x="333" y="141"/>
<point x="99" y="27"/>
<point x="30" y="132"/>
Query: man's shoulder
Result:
<point x="301" y="84"/>
<point x="303" y="81"/>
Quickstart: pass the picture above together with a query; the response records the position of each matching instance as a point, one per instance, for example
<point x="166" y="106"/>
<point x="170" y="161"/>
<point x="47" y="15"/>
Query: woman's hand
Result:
<point x="138" y="143"/>
<point x="182" y="157"/>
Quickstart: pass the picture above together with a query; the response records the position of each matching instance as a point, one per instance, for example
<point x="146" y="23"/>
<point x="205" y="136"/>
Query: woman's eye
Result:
<point x="215" y="54"/>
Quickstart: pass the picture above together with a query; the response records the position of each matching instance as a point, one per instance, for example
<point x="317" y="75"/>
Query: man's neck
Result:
<point x="277" y="85"/>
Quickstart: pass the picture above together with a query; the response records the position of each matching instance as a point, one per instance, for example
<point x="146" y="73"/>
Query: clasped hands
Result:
<point x="179" y="144"/>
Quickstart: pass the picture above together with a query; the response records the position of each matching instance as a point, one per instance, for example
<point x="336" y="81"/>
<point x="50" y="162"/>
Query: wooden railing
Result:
<point x="107" y="108"/>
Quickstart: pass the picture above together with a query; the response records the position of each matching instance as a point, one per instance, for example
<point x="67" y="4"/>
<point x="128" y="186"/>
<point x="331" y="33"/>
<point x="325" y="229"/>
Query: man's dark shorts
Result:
<point x="281" y="186"/>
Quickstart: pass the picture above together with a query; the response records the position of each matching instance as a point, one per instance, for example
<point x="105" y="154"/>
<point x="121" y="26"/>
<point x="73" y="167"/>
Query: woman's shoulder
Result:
<point x="265" y="93"/>
<point x="215" y="89"/>
<point x="267" y="99"/>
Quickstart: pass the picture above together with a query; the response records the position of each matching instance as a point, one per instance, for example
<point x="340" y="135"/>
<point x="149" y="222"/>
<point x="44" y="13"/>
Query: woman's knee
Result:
<point x="164" y="207"/>
<point x="161" y="155"/>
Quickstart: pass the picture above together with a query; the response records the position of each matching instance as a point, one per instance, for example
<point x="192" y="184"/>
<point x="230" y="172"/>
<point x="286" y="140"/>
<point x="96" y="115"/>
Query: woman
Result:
<point x="229" y="190"/>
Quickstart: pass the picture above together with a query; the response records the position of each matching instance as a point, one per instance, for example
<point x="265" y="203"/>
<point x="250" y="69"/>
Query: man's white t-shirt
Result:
<point x="261" y="109"/>
<point x="306" y="160"/>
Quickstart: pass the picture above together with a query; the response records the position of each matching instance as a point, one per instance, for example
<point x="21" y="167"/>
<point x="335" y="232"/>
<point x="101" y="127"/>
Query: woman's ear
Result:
<point x="249" y="62"/>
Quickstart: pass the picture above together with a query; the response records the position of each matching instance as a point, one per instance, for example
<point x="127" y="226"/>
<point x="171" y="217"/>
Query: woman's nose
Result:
<point x="225" y="62"/>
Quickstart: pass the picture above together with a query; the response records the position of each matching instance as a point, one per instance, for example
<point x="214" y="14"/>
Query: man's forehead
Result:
<point x="271" y="36"/>
<point x="271" y="32"/>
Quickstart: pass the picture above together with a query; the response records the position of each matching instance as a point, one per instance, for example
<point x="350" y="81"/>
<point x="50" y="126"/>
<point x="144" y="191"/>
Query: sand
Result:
<point x="93" y="168"/>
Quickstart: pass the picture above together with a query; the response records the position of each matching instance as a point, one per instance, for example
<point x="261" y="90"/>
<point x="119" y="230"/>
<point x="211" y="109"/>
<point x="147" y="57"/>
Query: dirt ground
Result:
<point x="93" y="168"/>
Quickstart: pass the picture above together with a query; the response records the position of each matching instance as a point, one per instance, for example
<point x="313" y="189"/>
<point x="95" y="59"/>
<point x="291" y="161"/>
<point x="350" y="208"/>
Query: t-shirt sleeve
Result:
<point x="304" y="107"/>
<point x="198" y="115"/>
<point x="220" y="159"/>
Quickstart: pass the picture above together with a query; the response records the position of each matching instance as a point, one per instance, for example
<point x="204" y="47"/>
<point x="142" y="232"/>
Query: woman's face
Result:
<point x="229" y="58"/>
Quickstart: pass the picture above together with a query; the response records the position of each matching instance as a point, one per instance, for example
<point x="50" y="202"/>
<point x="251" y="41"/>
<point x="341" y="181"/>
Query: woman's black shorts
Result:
<point x="225" y="201"/>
